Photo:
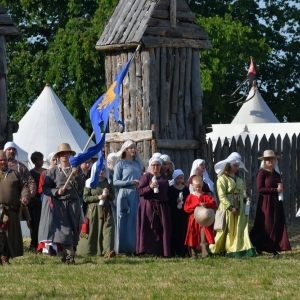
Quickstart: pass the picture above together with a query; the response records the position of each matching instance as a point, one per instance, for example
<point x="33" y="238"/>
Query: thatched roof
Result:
<point x="7" y="27"/>
<point x="155" y="23"/>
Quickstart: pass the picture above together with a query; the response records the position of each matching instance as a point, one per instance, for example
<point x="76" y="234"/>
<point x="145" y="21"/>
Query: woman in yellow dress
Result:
<point x="234" y="240"/>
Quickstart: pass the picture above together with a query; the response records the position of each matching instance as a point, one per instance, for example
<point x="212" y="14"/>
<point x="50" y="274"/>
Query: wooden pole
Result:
<point x="173" y="13"/>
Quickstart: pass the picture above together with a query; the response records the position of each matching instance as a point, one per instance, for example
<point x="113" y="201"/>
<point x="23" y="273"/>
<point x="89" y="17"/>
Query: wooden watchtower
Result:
<point x="161" y="100"/>
<point x="8" y="32"/>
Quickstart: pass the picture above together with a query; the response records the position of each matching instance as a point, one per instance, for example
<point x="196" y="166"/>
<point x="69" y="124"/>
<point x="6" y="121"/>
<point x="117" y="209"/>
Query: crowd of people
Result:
<point x="137" y="210"/>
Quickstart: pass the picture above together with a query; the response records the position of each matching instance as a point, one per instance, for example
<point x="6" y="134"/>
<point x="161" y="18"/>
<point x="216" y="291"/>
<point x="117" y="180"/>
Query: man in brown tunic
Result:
<point x="13" y="191"/>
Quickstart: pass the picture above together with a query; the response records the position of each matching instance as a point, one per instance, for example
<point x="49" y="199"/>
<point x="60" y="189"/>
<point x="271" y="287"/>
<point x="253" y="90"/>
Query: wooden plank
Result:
<point x="9" y="30"/>
<point x="298" y="173"/>
<point x="167" y="23"/>
<point x="124" y="107"/>
<point x="147" y="153"/>
<point x="180" y="110"/>
<point x="272" y="142"/>
<point x="185" y="33"/>
<point x="136" y="136"/>
<point x="233" y="147"/>
<point x="132" y="94"/>
<point x="225" y="149"/>
<point x="197" y="93"/>
<point x="173" y="14"/>
<point x="278" y="149"/>
<point x="175" y="85"/>
<point x="145" y="58"/>
<point x="247" y="163"/>
<point x="165" y="4"/>
<point x="187" y="96"/>
<point x="263" y="145"/>
<point x="5" y="20"/>
<point x="163" y="95"/>
<point x="157" y="57"/>
<point x="108" y="70"/>
<point x="286" y="176"/>
<point x="181" y="15"/>
<point x="115" y="47"/>
<point x="169" y="83"/>
<point x="293" y="181"/>
<point x="254" y="170"/>
<point x="3" y="88"/>
<point x="3" y="9"/>
<point x="154" y="42"/>
<point x="136" y="8"/>
<point x="138" y="72"/>
<point x="178" y="144"/>
<point x="153" y="106"/>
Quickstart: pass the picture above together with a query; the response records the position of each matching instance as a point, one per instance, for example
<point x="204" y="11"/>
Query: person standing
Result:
<point x="127" y="173"/>
<point x="13" y="187"/>
<point x="154" y="219"/>
<point x="66" y="203"/>
<point x="269" y="232"/>
<point x="86" y="172"/>
<point x="234" y="240"/>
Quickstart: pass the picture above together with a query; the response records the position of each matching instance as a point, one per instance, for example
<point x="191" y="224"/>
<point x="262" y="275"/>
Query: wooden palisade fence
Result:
<point x="289" y="166"/>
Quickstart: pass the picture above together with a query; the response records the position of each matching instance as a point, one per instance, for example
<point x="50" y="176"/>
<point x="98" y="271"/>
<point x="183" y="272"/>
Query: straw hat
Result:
<point x="64" y="147"/>
<point x="269" y="153"/>
<point x="204" y="216"/>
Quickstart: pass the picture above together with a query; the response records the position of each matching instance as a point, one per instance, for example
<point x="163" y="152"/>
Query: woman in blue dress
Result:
<point x="127" y="173"/>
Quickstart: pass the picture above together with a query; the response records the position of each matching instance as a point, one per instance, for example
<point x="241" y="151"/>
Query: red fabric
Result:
<point x="85" y="226"/>
<point x="41" y="182"/>
<point x="193" y="232"/>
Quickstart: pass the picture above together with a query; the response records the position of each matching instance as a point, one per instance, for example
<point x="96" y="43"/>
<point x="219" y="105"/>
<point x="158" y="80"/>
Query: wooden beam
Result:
<point x="181" y="16"/>
<point x="115" y="47"/>
<point x="155" y="42"/>
<point x="3" y="9"/>
<point x="155" y="22"/>
<point x="9" y="30"/>
<point x="5" y="20"/>
<point x="136" y="136"/>
<point x="178" y="144"/>
<point x="173" y="13"/>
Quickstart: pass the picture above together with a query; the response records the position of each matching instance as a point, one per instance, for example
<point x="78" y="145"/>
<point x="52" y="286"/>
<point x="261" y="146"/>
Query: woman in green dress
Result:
<point x="234" y="240"/>
<point x="100" y="237"/>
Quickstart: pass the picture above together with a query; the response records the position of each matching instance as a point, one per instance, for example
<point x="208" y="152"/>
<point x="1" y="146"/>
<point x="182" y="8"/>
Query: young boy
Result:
<point x="198" y="235"/>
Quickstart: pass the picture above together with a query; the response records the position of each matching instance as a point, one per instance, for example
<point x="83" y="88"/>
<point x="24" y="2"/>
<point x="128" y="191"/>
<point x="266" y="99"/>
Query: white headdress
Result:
<point x="233" y="158"/>
<point x="112" y="157"/>
<point x="206" y="178"/>
<point x="126" y="145"/>
<point x="93" y="171"/>
<point x="10" y="145"/>
<point x="166" y="158"/>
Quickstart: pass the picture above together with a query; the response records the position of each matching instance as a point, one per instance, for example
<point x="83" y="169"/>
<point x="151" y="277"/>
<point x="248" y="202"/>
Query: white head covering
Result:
<point x="126" y="145"/>
<point x="237" y="156"/>
<point x="112" y="157"/>
<point x="156" y="154"/>
<point x="93" y="171"/>
<point x="206" y="178"/>
<point x="231" y="159"/>
<point x="275" y="165"/>
<point x="50" y="156"/>
<point x="153" y="159"/>
<point x="166" y="158"/>
<point x="176" y="173"/>
<point x="10" y="145"/>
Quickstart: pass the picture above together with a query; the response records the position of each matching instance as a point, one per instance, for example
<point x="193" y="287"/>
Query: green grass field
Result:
<point x="37" y="276"/>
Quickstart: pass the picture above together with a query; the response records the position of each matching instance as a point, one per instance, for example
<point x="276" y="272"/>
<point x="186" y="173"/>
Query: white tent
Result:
<point x="254" y="110"/>
<point x="47" y="124"/>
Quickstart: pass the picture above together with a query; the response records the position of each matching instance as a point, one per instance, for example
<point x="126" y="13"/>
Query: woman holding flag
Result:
<point x="127" y="173"/>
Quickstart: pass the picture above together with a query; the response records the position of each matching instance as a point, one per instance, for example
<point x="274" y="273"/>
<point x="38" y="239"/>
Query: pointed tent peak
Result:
<point x="255" y="110"/>
<point x="156" y="23"/>
<point x="245" y="129"/>
<point x="251" y="76"/>
<point x="48" y="84"/>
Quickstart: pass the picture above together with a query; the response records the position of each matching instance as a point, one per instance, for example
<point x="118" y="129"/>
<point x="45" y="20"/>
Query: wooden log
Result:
<point x="5" y="20"/>
<point x="175" y="85"/>
<point x="154" y="42"/>
<point x="3" y="9"/>
<point x="182" y="33"/>
<point x="286" y="176"/>
<point x="108" y="69"/>
<point x="165" y="4"/>
<point x="254" y="170"/>
<point x="298" y="174"/>
<point x="169" y="83"/>
<point x="181" y="92"/>
<point x="157" y="58"/>
<point x="125" y="105"/>
<point x="178" y="144"/>
<point x="181" y="15"/>
<point x="145" y="57"/>
<point x="154" y="22"/>
<point x="147" y="153"/>
<point x="247" y="163"/>
<point x="263" y="145"/>
<point x="279" y="148"/>
<point x="136" y="136"/>
<point x="225" y="149"/>
<point x="293" y="181"/>
<point x="173" y="8"/>
<point x="233" y="147"/>
<point x="209" y="161"/>
<point x="9" y="30"/>
<point x="196" y="93"/>
<point x="272" y="142"/>
<point x="154" y="106"/>
<point x="163" y="95"/>
<point x="153" y="141"/>
<point x="3" y="89"/>
<point x="138" y="70"/>
<point x="132" y="94"/>
<point x="116" y="47"/>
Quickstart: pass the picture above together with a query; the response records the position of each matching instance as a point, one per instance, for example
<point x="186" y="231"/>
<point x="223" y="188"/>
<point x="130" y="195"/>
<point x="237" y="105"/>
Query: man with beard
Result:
<point x="13" y="187"/>
<point x="11" y="152"/>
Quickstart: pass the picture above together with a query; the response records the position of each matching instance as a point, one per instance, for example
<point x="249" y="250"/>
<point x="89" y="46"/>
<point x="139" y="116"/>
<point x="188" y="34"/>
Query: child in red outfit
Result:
<point x="198" y="235"/>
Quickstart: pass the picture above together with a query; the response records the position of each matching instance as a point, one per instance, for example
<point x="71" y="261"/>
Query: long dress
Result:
<point x="234" y="240"/>
<point x="100" y="238"/>
<point x="154" y="220"/>
<point x="124" y="173"/>
<point x="269" y="232"/>
<point x="179" y="219"/>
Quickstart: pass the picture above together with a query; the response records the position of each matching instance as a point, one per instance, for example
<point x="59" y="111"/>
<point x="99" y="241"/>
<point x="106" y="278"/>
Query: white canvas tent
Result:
<point x="47" y="124"/>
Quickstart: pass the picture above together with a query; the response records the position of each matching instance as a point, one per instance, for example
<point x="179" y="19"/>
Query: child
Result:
<point x="178" y="215"/>
<point x="196" y="234"/>
<point x="100" y="237"/>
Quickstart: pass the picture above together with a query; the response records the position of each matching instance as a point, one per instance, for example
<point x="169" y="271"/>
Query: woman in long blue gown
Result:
<point x="127" y="173"/>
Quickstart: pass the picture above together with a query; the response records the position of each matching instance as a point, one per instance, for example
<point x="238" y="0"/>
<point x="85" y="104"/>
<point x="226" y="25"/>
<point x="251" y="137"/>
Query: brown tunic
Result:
<point x="13" y="187"/>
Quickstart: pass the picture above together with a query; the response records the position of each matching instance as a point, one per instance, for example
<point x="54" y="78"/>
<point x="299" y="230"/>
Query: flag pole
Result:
<point x="92" y="135"/>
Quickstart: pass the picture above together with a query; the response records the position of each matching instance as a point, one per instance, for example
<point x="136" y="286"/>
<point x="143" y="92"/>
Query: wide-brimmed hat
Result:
<point x="64" y="147"/>
<point x="204" y="216"/>
<point x="269" y="153"/>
